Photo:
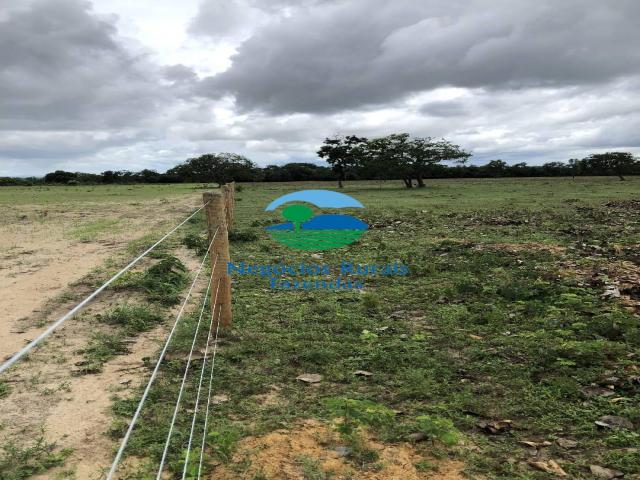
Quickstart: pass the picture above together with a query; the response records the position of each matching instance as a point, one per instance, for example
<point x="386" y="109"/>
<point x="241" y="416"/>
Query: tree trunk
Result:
<point x="408" y="183"/>
<point x="622" y="179"/>
<point x="340" y="182"/>
<point x="420" y="181"/>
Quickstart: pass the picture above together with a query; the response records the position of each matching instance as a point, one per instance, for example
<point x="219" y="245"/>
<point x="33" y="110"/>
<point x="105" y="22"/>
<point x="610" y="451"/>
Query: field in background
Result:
<point x="517" y="323"/>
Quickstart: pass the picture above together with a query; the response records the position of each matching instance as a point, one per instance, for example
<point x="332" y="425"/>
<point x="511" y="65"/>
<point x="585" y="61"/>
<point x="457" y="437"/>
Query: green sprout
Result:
<point x="297" y="214"/>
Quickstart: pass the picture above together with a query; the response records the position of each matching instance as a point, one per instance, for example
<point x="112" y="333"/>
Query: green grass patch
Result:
<point x="18" y="462"/>
<point x="92" y="230"/>
<point x="132" y="318"/>
<point x="102" y="348"/>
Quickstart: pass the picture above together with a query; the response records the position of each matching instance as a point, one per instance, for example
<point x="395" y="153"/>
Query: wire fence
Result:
<point x="219" y="208"/>
<point x="219" y="211"/>
<point x="54" y="326"/>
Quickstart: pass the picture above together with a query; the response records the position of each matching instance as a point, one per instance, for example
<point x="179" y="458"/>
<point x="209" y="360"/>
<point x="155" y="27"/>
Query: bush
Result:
<point x="134" y="318"/>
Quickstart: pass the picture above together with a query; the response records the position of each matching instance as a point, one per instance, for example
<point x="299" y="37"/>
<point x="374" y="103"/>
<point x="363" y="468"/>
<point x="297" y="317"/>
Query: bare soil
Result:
<point x="39" y="262"/>
<point x="282" y="454"/>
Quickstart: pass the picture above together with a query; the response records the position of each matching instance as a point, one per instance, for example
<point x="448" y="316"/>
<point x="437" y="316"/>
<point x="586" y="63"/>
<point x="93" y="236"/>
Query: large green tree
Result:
<point x="215" y="167"/>
<point x="388" y="157"/>
<point x="342" y="153"/>
<point x="425" y="152"/>
<point x="618" y="163"/>
<point x="399" y="155"/>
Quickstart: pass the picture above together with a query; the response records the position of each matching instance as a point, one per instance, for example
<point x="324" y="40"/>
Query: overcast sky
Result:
<point x="91" y="85"/>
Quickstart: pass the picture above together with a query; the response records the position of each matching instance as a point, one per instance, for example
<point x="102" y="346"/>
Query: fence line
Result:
<point x="219" y="213"/>
<point x="7" y="364"/>
<point x="184" y="381"/>
<point x="125" y="440"/>
<point x="206" y="416"/>
<point x="195" y="410"/>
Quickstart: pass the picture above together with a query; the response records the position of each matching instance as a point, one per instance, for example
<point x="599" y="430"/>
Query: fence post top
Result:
<point x="211" y="194"/>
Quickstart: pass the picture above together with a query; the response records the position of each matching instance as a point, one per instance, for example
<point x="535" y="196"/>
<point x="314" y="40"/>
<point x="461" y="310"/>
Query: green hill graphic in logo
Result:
<point x="305" y="230"/>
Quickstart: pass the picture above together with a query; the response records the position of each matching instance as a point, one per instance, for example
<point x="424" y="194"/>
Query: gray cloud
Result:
<point x="366" y="52"/>
<point x="521" y="80"/>
<point x="64" y="68"/>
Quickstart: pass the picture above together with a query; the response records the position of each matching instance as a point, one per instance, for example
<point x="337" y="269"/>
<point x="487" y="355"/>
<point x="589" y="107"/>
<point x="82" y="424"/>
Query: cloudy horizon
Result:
<point x="119" y="85"/>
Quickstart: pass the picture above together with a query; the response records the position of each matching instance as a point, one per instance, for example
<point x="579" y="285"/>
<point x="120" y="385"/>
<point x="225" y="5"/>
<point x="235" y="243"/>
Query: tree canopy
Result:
<point x="215" y="167"/>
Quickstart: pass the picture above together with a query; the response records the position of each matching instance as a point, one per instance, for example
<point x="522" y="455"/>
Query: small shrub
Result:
<point x="5" y="389"/>
<point x="102" y="348"/>
<point x="196" y="242"/>
<point x="134" y="318"/>
<point x="21" y="462"/>
<point x="242" y="236"/>
<point x="371" y="302"/>
<point x="164" y="281"/>
<point x="438" y="428"/>
<point x="222" y="443"/>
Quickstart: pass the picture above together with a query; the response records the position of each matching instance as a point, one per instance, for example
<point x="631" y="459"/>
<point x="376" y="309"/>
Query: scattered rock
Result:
<point x="362" y="373"/>
<point x="549" y="466"/>
<point x="310" y="378"/>
<point x="611" y="291"/>
<point x="218" y="399"/>
<point x="416" y="437"/>
<point x="495" y="426"/>
<point x="615" y="381"/>
<point x="602" y="472"/>
<point x="613" y="421"/>
<point x="343" y="451"/>
<point x="566" y="443"/>
<point x="594" y="391"/>
<point x="535" y="444"/>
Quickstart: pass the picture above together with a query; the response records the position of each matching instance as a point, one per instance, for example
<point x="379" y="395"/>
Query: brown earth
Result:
<point x="39" y="262"/>
<point x="283" y="454"/>
<point x="40" y="253"/>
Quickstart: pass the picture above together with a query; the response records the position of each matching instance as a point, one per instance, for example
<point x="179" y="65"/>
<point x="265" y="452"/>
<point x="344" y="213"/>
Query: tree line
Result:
<point x="394" y="157"/>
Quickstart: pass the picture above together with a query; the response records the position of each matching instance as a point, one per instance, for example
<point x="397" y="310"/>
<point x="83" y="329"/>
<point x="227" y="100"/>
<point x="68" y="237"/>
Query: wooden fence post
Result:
<point x="232" y="190"/>
<point x="226" y="193"/>
<point x="216" y="220"/>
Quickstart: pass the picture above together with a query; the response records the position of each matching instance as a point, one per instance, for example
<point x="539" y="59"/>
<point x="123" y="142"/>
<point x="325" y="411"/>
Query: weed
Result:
<point x="312" y="469"/>
<point x="438" y="428"/>
<point x="424" y="466"/>
<point x="222" y="443"/>
<point x="165" y="281"/>
<point x="5" y="389"/>
<point x="21" y="462"/>
<point x="242" y="236"/>
<point x="196" y="242"/>
<point x="91" y="230"/>
<point x="371" y="302"/>
<point x="132" y="318"/>
<point x="102" y="347"/>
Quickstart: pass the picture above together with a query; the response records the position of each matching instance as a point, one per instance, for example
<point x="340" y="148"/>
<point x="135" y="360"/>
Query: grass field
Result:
<point x="518" y="322"/>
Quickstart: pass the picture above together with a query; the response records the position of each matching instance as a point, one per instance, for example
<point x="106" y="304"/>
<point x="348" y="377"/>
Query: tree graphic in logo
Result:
<point x="297" y="214"/>
<point x="306" y="230"/>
